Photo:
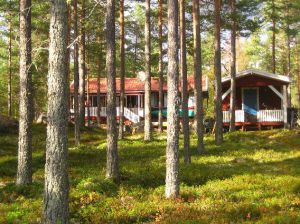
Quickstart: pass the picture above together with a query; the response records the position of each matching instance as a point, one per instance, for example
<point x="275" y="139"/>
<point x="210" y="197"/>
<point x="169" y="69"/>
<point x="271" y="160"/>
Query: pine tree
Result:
<point x="99" y="70"/>
<point x="218" y="84"/>
<point x="160" y="66"/>
<point x="198" y="78"/>
<point x="112" y="170"/>
<point x="56" y="209"/>
<point x="122" y="70"/>
<point x="24" y="172"/>
<point x="147" y="128"/>
<point x="172" y="162"/>
<point x="185" y="96"/>
<point x="82" y="65"/>
<point x="9" y="78"/>
<point x="76" y="76"/>
<point x="233" y="65"/>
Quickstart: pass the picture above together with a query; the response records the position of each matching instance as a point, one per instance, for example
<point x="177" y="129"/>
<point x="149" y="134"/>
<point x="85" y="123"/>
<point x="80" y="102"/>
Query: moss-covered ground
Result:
<point x="254" y="177"/>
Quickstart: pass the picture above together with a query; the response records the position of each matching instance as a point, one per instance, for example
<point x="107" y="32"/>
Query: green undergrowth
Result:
<point x="252" y="178"/>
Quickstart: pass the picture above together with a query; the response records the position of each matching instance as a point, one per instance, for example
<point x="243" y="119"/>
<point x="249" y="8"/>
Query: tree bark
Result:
<point x="112" y="170"/>
<point x="218" y="84"/>
<point x="9" y="95"/>
<point x="273" y="38"/>
<point x="24" y="172"/>
<point x="135" y="50"/>
<point x="172" y="161"/>
<point x="185" y="95"/>
<point x="122" y="70"/>
<point x="199" y="115"/>
<point x="88" y="105"/>
<point x="289" y="69"/>
<point x="68" y="52"/>
<point x="82" y="67"/>
<point x="147" y="128"/>
<point x="99" y="58"/>
<point x="76" y="77"/>
<point x="56" y="209"/>
<point x="233" y="66"/>
<point x="160" y="67"/>
<point x="298" y="75"/>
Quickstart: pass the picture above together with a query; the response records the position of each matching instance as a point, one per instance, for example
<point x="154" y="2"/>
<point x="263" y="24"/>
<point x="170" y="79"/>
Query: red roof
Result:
<point x="135" y="85"/>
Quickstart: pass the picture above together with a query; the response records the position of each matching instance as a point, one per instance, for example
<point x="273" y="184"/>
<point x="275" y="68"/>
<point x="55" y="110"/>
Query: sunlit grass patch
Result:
<point x="252" y="178"/>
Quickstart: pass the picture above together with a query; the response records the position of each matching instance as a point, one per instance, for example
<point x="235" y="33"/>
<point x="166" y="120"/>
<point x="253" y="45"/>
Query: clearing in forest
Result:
<point x="252" y="177"/>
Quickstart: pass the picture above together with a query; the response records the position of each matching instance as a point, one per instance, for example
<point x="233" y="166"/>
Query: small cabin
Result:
<point x="261" y="99"/>
<point x="134" y="98"/>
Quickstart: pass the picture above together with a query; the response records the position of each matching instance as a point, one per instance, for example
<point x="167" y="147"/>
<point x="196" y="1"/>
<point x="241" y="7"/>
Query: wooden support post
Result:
<point x="276" y="92"/>
<point x="285" y="106"/>
<point x="226" y="94"/>
<point x="139" y="106"/>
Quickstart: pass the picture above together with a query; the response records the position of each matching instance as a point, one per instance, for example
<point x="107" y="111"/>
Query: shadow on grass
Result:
<point x="8" y="168"/>
<point x="11" y="192"/>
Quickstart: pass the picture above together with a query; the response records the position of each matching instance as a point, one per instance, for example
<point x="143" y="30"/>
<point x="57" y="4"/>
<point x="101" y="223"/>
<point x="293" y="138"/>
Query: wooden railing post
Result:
<point x="285" y="107"/>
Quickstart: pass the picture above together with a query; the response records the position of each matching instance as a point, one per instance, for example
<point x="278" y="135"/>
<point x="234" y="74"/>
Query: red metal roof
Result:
<point x="135" y="85"/>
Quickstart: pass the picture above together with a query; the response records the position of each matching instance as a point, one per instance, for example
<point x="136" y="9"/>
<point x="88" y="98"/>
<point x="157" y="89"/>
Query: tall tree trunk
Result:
<point x="298" y="74"/>
<point x="24" y="172"/>
<point x="289" y="72"/>
<point x="56" y="209"/>
<point x="112" y="170"/>
<point x="289" y="69"/>
<point x="76" y="77"/>
<point x="87" y="85"/>
<point x="69" y="51"/>
<point x="122" y="70"/>
<point x="99" y="58"/>
<point x="233" y="66"/>
<point x="160" y="66"/>
<point x="9" y="95"/>
<point x="218" y="86"/>
<point x="147" y="128"/>
<point x="198" y="78"/>
<point x="172" y="161"/>
<point x="273" y="38"/>
<point x="185" y="95"/>
<point x="82" y="68"/>
<point x="135" y="51"/>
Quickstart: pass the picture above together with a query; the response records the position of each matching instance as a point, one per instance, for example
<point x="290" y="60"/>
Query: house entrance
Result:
<point x="250" y="104"/>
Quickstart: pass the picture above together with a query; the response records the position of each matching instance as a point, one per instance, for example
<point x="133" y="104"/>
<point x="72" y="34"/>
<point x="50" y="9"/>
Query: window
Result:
<point x="132" y="101"/>
<point x="102" y="101"/>
<point x="94" y="101"/>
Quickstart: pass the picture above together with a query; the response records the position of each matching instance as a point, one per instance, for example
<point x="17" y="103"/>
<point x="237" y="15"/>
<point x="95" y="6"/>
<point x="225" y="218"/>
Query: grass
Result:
<point x="252" y="178"/>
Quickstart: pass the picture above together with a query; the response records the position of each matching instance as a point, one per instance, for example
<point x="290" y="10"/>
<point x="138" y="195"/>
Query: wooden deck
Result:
<point x="244" y="126"/>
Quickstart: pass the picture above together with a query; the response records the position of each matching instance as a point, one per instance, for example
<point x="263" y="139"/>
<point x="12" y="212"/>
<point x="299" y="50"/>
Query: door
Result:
<point x="250" y="104"/>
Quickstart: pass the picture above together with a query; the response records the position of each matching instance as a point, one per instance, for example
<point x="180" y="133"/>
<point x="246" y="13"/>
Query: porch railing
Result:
<point x="239" y="116"/>
<point x="262" y="116"/>
<point x="270" y="116"/>
<point x="128" y="113"/>
<point x="135" y="118"/>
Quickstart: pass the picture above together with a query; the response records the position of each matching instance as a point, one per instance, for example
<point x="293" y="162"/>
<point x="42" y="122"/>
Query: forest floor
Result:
<point x="254" y="177"/>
